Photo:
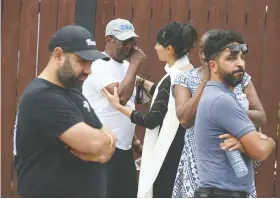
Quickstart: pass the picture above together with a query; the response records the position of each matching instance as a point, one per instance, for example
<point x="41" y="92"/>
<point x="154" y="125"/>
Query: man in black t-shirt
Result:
<point x="59" y="142"/>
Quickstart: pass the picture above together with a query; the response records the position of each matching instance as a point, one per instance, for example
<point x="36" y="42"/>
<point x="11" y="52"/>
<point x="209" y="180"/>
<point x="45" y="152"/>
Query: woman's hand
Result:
<point x="205" y="72"/>
<point x="231" y="143"/>
<point x="113" y="99"/>
<point x="137" y="146"/>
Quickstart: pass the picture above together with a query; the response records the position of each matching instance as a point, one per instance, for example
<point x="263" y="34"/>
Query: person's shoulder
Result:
<point x="100" y="63"/>
<point x="184" y="60"/>
<point x="224" y="100"/>
<point x="187" y="75"/>
<point x="103" y="66"/>
<point x="40" y="91"/>
<point x="223" y="96"/>
<point x="191" y="72"/>
<point x="41" y="88"/>
<point x="187" y="67"/>
<point x="37" y="85"/>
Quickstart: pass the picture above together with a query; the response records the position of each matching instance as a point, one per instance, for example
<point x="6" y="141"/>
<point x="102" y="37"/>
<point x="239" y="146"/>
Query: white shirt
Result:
<point x="184" y="61"/>
<point x="103" y="74"/>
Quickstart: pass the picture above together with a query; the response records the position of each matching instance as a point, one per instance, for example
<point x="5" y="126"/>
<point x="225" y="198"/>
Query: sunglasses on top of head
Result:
<point x="235" y="48"/>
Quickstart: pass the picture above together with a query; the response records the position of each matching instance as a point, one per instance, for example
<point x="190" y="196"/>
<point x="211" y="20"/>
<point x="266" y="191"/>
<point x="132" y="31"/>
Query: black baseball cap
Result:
<point x="76" y="39"/>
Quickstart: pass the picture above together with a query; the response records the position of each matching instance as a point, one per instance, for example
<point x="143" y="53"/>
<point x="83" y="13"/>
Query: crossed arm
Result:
<point x="57" y="118"/>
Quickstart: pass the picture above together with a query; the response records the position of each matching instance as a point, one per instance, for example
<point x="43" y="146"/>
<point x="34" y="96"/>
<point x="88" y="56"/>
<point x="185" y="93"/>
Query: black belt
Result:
<point x="221" y="192"/>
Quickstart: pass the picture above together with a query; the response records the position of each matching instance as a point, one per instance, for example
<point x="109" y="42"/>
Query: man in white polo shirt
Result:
<point x="118" y="72"/>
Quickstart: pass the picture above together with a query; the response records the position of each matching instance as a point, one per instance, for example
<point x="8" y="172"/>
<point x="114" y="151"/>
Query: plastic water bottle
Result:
<point x="237" y="163"/>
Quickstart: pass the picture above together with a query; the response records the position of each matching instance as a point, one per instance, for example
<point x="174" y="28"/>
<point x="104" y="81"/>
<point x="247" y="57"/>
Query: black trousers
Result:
<point x="218" y="193"/>
<point x="121" y="175"/>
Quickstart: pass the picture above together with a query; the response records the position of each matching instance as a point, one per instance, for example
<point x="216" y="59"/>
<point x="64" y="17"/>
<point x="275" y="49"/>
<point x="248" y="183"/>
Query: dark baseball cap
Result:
<point x="76" y="39"/>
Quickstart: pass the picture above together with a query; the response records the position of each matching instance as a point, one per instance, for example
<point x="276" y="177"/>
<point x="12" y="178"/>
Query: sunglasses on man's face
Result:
<point x="235" y="48"/>
<point x="131" y="41"/>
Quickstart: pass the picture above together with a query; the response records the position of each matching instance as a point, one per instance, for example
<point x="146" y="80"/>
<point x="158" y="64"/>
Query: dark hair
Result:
<point x="219" y="39"/>
<point x="211" y="31"/>
<point x="182" y="37"/>
<point x="206" y="35"/>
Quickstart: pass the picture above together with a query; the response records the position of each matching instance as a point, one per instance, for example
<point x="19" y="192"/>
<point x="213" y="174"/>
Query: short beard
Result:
<point x="231" y="81"/>
<point x="66" y="75"/>
<point x="229" y="78"/>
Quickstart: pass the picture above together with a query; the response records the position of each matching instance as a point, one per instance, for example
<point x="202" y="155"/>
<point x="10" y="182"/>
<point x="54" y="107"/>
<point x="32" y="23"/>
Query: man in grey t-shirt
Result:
<point x="218" y="113"/>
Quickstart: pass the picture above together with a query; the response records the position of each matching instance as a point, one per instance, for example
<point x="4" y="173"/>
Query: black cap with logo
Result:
<point x="78" y="40"/>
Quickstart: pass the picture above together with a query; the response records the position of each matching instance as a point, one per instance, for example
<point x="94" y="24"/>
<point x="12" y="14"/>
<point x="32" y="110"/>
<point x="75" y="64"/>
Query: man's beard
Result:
<point x="229" y="78"/>
<point x="67" y="77"/>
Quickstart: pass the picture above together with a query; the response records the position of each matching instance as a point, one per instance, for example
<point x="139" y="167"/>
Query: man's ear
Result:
<point x="108" y="39"/>
<point x="212" y="65"/>
<point x="58" y="54"/>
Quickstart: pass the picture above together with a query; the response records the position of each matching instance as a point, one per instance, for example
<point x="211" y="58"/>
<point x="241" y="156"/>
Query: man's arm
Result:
<point x="56" y="118"/>
<point x="126" y="87"/>
<point x="231" y="118"/>
<point x="85" y="139"/>
<point x="257" y="147"/>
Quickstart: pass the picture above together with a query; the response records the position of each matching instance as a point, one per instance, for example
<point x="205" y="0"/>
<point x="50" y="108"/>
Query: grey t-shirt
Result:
<point x="218" y="113"/>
